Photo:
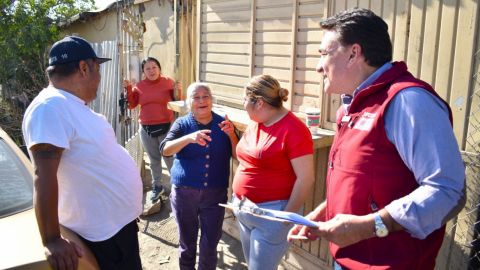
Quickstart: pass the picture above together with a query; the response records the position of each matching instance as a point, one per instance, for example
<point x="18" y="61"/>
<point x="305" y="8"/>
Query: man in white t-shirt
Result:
<point x="84" y="180"/>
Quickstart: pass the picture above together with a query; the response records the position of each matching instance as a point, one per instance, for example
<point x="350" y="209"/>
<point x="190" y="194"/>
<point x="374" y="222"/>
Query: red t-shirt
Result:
<point x="153" y="97"/>
<point x="265" y="172"/>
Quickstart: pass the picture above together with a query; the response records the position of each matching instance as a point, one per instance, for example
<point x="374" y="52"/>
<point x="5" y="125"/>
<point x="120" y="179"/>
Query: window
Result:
<point x="16" y="185"/>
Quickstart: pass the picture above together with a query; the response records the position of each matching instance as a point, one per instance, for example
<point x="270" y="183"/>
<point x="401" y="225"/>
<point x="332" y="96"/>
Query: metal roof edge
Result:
<point x="88" y="14"/>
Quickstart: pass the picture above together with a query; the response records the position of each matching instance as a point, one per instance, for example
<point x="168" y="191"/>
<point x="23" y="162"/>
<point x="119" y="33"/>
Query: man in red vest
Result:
<point x="395" y="174"/>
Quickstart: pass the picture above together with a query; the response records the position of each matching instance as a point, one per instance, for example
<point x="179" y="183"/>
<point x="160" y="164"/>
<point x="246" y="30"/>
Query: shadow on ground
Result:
<point x="158" y="238"/>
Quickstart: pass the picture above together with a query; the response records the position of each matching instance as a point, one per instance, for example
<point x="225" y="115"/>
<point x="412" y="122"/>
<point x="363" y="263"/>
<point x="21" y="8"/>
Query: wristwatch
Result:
<point x="380" y="228"/>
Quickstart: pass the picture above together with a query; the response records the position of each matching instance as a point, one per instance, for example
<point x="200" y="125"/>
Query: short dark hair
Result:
<point x="65" y="70"/>
<point x="361" y="26"/>
<point x="151" y="59"/>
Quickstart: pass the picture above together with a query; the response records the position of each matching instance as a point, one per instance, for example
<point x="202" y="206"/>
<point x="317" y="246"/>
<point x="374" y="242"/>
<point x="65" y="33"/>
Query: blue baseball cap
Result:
<point x="71" y="49"/>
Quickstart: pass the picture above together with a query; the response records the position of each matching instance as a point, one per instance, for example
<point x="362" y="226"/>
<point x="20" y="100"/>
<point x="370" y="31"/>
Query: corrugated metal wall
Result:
<point x="109" y="89"/>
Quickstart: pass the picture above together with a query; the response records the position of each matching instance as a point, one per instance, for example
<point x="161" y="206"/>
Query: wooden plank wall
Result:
<point x="313" y="255"/>
<point x="437" y="40"/>
<point x="244" y="38"/>
<point x="186" y="68"/>
<point x="224" y="53"/>
<point x="459" y="250"/>
<point x="306" y="81"/>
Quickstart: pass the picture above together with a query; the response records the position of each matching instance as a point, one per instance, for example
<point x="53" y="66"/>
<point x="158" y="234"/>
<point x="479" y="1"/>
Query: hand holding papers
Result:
<point x="248" y="206"/>
<point x="289" y="217"/>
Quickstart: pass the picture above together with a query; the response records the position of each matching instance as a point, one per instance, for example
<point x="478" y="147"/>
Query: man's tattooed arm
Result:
<point x="46" y="159"/>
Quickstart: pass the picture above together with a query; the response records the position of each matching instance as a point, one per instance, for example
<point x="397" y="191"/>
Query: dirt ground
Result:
<point x="158" y="238"/>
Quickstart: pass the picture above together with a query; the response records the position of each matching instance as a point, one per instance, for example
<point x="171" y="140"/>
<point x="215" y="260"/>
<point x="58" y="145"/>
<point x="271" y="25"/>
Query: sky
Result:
<point x="103" y="3"/>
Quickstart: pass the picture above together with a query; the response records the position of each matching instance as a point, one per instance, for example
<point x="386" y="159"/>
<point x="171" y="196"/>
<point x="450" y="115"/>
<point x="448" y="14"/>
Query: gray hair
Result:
<point x="192" y="88"/>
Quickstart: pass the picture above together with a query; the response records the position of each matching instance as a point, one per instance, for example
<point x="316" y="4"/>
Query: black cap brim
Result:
<point x="101" y="60"/>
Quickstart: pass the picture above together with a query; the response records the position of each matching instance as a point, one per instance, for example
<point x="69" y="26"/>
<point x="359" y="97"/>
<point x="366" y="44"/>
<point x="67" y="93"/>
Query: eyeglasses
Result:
<point x="252" y="98"/>
<point x="198" y="98"/>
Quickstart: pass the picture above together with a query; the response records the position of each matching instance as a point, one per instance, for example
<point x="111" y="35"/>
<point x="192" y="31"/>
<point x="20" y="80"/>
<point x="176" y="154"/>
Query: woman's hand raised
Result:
<point x="201" y="137"/>
<point x="227" y="126"/>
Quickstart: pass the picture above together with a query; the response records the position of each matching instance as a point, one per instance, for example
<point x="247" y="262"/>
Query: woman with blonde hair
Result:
<point x="275" y="170"/>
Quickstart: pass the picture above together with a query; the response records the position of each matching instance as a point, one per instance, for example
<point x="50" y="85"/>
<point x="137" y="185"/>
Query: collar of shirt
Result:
<point x="347" y="99"/>
<point x="67" y="94"/>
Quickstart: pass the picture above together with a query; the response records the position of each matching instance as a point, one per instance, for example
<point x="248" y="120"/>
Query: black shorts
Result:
<point x="121" y="251"/>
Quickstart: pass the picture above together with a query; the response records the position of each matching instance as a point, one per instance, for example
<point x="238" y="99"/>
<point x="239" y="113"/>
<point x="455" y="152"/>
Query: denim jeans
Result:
<point x="336" y="266"/>
<point x="264" y="242"/>
<point x="195" y="208"/>
<point x="152" y="147"/>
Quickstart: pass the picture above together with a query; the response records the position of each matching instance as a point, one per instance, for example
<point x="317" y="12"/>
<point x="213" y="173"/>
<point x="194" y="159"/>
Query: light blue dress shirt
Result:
<point x="417" y="123"/>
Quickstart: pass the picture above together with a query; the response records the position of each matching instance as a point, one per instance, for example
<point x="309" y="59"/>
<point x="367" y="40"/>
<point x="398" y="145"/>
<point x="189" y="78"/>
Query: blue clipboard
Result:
<point x="290" y="217"/>
<point x="275" y="215"/>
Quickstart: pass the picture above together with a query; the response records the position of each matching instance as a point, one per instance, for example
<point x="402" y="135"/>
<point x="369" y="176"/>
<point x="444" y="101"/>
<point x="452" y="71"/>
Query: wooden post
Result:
<point x="293" y="54"/>
<point x="252" y="39"/>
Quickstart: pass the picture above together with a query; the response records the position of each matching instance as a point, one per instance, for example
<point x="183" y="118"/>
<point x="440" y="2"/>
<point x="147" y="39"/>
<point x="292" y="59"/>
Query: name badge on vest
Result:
<point x="365" y="122"/>
<point x="346" y="118"/>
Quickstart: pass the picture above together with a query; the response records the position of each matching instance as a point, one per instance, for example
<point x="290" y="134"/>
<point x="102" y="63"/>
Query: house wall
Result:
<point x="98" y="28"/>
<point x="242" y="38"/>
<point x="122" y="23"/>
<point x="101" y="30"/>
<point x="119" y="30"/>
<point x="159" y="38"/>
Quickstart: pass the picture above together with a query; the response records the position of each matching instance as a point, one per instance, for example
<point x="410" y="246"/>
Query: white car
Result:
<point x="20" y="242"/>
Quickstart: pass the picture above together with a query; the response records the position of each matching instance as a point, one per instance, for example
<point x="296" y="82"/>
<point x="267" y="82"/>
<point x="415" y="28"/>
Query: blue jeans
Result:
<point x="195" y="208"/>
<point x="336" y="266"/>
<point x="264" y="242"/>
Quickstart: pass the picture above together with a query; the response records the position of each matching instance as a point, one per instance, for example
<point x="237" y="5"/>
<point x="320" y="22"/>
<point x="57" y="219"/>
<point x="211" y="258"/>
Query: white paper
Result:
<point x="290" y="217"/>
